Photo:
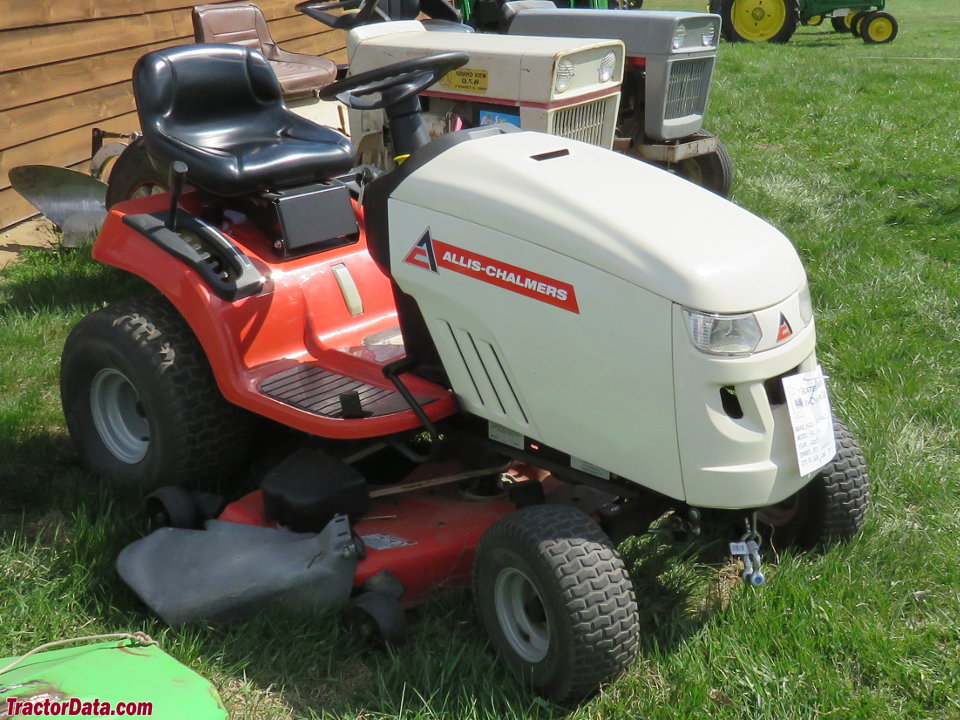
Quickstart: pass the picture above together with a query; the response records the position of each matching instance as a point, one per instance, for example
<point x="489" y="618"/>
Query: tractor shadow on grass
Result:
<point x="680" y="586"/>
<point x="64" y="279"/>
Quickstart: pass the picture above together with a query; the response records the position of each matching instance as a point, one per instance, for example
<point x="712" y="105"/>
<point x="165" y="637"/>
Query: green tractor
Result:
<point x="777" y="20"/>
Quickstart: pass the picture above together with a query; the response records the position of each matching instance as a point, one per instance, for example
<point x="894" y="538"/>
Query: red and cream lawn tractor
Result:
<point x="489" y="360"/>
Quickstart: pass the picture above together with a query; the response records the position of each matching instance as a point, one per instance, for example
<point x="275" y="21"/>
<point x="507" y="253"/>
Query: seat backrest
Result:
<point x="401" y="9"/>
<point x="510" y="9"/>
<point x="234" y="23"/>
<point x="193" y="86"/>
<point x="411" y="9"/>
<point x="441" y="10"/>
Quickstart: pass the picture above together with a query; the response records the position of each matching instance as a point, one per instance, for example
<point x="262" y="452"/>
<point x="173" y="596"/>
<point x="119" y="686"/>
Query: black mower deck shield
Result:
<point x="226" y="571"/>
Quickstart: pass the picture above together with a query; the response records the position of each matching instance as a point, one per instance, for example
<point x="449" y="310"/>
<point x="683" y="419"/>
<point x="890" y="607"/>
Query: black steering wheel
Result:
<point x="393" y="83"/>
<point x="366" y="11"/>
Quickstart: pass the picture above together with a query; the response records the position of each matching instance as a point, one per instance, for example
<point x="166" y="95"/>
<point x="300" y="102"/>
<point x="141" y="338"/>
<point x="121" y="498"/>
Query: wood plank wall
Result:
<point x="65" y="68"/>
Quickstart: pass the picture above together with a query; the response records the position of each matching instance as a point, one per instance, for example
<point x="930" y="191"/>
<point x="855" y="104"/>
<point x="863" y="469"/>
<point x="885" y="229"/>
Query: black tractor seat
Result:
<point x="219" y="109"/>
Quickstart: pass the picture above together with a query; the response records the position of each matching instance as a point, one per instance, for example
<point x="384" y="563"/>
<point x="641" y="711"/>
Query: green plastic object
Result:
<point x="95" y="680"/>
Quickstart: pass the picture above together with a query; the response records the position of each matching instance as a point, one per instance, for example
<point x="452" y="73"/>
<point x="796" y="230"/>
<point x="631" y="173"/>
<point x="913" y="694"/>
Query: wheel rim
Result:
<point x="848" y="20"/>
<point x="689" y="169"/>
<point x="880" y="29"/>
<point x="758" y="20"/>
<point x="522" y="616"/>
<point x="118" y="416"/>
<point x="815" y="20"/>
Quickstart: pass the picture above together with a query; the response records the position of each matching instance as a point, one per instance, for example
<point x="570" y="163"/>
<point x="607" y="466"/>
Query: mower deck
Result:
<point x="425" y="538"/>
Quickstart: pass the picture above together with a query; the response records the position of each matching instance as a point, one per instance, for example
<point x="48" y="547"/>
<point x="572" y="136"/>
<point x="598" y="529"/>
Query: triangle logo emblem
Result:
<point x="422" y="254"/>
<point x="784" y="331"/>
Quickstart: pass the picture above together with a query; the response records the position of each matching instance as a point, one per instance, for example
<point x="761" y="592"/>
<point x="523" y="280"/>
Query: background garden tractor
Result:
<point x="777" y="20"/>
<point x="667" y="73"/>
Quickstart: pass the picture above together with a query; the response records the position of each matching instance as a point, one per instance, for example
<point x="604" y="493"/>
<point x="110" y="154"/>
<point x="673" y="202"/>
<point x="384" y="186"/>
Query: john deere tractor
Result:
<point x="777" y="20"/>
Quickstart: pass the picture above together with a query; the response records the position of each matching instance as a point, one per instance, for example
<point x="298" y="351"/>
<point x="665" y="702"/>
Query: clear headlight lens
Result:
<point x="679" y="35"/>
<point x="709" y="36"/>
<point x="806" y="305"/>
<point x="723" y="334"/>
<point x="565" y="75"/>
<point x="608" y="64"/>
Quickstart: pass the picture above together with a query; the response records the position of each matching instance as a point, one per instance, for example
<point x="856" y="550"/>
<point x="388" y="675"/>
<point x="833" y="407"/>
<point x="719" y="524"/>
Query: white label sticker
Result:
<point x="739" y="548"/>
<point x="379" y="541"/>
<point x="501" y="434"/>
<point x="812" y="420"/>
<point x="589" y="468"/>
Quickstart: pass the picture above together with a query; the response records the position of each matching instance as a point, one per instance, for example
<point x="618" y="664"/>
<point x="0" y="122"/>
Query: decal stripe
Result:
<point x="506" y="276"/>
<point x="563" y="103"/>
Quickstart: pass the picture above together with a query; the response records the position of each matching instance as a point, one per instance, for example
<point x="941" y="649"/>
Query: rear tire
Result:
<point x="760" y="20"/>
<point x="134" y="176"/>
<point x="140" y="400"/>
<point x="556" y="601"/>
<point x="831" y="508"/>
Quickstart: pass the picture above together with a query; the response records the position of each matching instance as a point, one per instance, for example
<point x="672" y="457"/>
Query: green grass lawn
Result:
<point x="853" y="151"/>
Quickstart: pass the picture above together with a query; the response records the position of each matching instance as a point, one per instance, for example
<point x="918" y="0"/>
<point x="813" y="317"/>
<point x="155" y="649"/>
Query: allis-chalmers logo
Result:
<point x="784" y="331"/>
<point x="431" y="254"/>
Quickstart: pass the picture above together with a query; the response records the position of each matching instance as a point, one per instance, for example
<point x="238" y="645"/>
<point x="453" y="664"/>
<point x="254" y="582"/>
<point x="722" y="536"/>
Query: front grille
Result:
<point x="687" y="88"/>
<point x="581" y="122"/>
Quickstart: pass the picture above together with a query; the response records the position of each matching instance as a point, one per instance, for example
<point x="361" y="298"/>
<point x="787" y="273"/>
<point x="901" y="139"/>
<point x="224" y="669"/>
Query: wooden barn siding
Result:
<point x="65" y="68"/>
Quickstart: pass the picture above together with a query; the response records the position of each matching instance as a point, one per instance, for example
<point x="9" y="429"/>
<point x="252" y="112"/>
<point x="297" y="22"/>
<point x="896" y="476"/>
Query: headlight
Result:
<point x="565" y="73"/>
<point x="806" y="305"/>
<point x="723" y="334"/>
<point x="607" y="65"/>
<point x="679" y="35"/>
<point x="709" y="36"/>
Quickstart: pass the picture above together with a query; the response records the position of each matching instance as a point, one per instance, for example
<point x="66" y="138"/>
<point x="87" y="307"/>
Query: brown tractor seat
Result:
<point x="243" y="23"/>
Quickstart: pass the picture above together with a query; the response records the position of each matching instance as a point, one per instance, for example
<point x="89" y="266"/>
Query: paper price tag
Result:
<point x="812" y="420"/>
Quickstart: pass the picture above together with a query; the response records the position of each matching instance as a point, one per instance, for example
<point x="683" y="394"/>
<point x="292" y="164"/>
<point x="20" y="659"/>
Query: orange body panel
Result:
<point x="300" y="316"/>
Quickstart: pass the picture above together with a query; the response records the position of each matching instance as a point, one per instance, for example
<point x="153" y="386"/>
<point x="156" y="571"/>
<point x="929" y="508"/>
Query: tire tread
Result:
<point x="595" y="587"/>
<point x="210" y="434"/>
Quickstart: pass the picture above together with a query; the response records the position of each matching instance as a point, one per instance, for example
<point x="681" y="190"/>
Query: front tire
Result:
<point x="713" y="171"/>
<point x="140" y="400"/>
<point x="760" y="20"/>
<point x="556" y="601"/>
<point x="878" y="28"/>
<point x="839" y="25"/>
<point x="831" y="508"/>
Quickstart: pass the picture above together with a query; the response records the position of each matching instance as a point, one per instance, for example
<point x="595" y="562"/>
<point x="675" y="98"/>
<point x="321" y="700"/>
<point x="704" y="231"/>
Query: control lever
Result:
<point x="175" y="182"/>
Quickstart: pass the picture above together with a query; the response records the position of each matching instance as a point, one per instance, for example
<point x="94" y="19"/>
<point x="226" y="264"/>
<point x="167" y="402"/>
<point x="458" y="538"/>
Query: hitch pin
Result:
<point x="748" y="550"/>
